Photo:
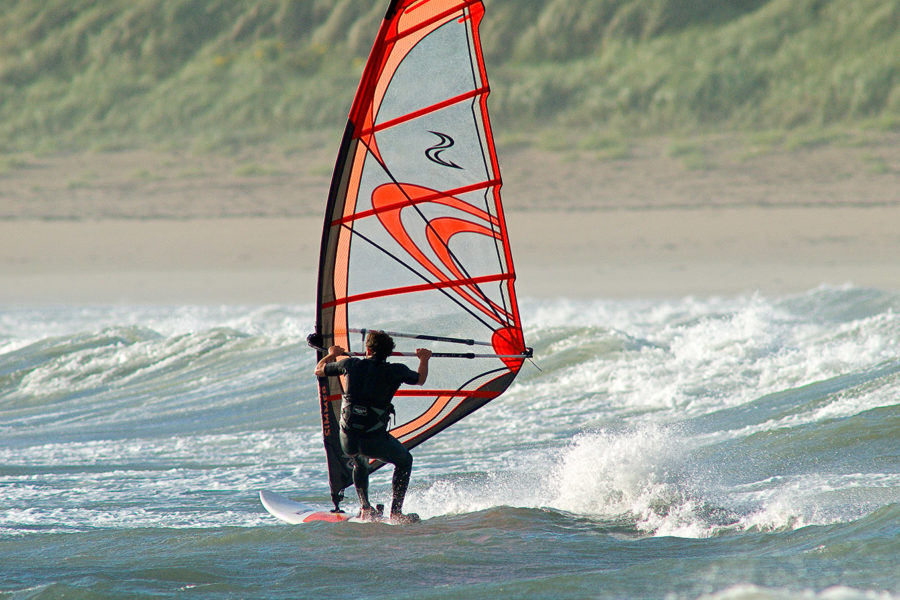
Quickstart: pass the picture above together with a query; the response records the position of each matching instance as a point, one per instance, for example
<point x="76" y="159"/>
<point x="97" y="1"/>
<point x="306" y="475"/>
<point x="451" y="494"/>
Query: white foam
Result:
<point x="747" y="591"/>
<point x="633" y="476"/>
<point x="609" y="477"/>
<point x="596" y="434"/>
<point x="645" y="477"/>
<point x="691" y="357"/>
<point x="791" y="502"/>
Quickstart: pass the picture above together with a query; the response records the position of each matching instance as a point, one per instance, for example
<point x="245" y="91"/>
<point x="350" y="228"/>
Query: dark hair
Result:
<point x="380" y="344"/>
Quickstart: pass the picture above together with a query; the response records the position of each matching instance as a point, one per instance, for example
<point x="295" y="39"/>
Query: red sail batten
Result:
<point x="416" y="288"/>
<point x="423" y="111"/>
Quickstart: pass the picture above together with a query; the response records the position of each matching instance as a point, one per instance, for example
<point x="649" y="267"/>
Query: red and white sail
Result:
<point x="414" y="239"/>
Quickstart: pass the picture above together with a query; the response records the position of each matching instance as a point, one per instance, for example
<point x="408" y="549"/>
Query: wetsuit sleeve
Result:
<point x="337" y="368"/>
<point x="405" y="374"/>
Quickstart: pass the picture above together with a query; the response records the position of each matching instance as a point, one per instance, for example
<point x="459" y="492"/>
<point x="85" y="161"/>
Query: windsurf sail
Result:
<point x="414" y="240"/>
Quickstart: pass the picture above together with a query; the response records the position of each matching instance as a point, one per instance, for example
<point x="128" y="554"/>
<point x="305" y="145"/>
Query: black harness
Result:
<point x="361" y="419"/>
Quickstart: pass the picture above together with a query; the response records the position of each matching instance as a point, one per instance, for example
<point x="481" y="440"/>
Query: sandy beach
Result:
<point x="138" y="227"/>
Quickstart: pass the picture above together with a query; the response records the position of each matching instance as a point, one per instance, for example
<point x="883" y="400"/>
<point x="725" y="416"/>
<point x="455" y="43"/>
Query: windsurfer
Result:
<point x="369" y="387"/>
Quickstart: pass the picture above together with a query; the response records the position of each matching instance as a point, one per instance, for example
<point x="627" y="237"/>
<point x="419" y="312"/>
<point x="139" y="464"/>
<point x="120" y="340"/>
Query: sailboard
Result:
<point x="415" y="240"/>
<point x="298" y="513"/>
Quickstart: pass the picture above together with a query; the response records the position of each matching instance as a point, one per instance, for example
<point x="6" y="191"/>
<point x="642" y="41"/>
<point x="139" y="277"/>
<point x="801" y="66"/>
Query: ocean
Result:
<point x="741" y="447"/>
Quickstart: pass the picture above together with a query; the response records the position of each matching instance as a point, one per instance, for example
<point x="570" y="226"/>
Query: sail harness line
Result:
<point x="469" y="355"/>
<point x="316" y="345"/>
<point x="523" y="355"/>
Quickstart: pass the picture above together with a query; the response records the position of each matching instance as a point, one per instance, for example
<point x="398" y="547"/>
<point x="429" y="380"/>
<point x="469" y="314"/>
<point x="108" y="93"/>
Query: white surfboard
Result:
<point x="293" y="512"/>
<point x="298" y="513"/>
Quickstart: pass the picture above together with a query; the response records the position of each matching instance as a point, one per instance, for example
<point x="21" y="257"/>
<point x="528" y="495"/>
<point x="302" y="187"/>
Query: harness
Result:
<point x="362" y="419"/>
<point x="366" y="408"/>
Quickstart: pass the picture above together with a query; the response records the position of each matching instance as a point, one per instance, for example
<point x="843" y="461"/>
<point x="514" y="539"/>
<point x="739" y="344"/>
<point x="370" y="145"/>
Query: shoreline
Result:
<point x="573" y="254"/>
<point x="168" y="228"/>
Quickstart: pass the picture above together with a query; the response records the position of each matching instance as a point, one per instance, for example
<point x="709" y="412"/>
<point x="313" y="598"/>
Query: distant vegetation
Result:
<point x="219" y="74"/>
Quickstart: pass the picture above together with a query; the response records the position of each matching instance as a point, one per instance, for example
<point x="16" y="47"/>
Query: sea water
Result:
<point x="724" y="448"/>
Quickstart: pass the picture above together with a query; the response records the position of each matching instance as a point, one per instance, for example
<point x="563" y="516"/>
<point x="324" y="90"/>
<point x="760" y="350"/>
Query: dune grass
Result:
<point x="218" y="75"/>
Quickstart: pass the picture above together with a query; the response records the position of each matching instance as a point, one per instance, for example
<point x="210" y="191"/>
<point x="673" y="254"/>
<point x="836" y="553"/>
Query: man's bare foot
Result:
<point x="404" y="519"/>
<point x="368" y="513"/>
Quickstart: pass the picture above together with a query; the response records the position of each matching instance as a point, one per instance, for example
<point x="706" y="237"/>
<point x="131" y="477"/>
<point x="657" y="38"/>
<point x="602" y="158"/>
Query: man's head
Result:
<point x="379" y="345"/>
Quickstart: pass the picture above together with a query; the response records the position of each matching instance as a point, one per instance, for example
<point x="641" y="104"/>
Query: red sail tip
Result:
<point x="506" y="341"/>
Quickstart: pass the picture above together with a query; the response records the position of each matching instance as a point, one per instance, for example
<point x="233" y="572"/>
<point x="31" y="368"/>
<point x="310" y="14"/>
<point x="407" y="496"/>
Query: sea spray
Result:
<point x="638" y="477"/>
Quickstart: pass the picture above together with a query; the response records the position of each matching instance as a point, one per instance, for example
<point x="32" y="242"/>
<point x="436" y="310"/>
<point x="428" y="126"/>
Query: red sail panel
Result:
<point x="414" y="238"/>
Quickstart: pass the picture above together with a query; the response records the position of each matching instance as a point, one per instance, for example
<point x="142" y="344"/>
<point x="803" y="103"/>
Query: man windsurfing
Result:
<point x="369" y="387"/>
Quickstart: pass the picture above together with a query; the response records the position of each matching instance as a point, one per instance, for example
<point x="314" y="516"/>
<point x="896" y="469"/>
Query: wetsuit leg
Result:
<point x="361" y="480"/>
<point x="386" y="448"/>
<point x="351" y="447"/>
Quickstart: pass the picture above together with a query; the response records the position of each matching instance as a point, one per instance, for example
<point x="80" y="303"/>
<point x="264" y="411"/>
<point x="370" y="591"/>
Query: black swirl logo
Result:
<point x="434" y="153"/>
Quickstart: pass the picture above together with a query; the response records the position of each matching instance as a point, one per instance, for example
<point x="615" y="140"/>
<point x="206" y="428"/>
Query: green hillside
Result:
<point x="214" y="74"/>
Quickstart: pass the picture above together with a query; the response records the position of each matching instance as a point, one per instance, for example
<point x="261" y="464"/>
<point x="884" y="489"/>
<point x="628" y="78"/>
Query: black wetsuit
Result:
<point x="365" y="413"/>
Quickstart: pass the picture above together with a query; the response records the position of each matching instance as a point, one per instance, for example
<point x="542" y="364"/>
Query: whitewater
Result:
<point x="717" y="447"/>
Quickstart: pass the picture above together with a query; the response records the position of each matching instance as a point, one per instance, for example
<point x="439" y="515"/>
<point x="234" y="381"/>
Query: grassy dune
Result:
<point x="214" y="75"/>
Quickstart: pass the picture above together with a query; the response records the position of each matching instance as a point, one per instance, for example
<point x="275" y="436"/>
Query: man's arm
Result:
<point x="332" y="355"/>
<point x="424" y="354"/>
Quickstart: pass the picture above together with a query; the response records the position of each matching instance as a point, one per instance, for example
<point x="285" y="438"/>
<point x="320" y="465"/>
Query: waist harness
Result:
<point x="361" y="419"/>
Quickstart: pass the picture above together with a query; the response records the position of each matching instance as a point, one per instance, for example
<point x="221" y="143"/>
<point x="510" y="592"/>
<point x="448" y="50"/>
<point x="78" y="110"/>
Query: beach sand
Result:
<point x="163" y="228"/>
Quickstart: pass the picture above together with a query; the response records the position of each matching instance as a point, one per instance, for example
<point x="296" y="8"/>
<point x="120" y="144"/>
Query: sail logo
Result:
<point x="434" y="153"/>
